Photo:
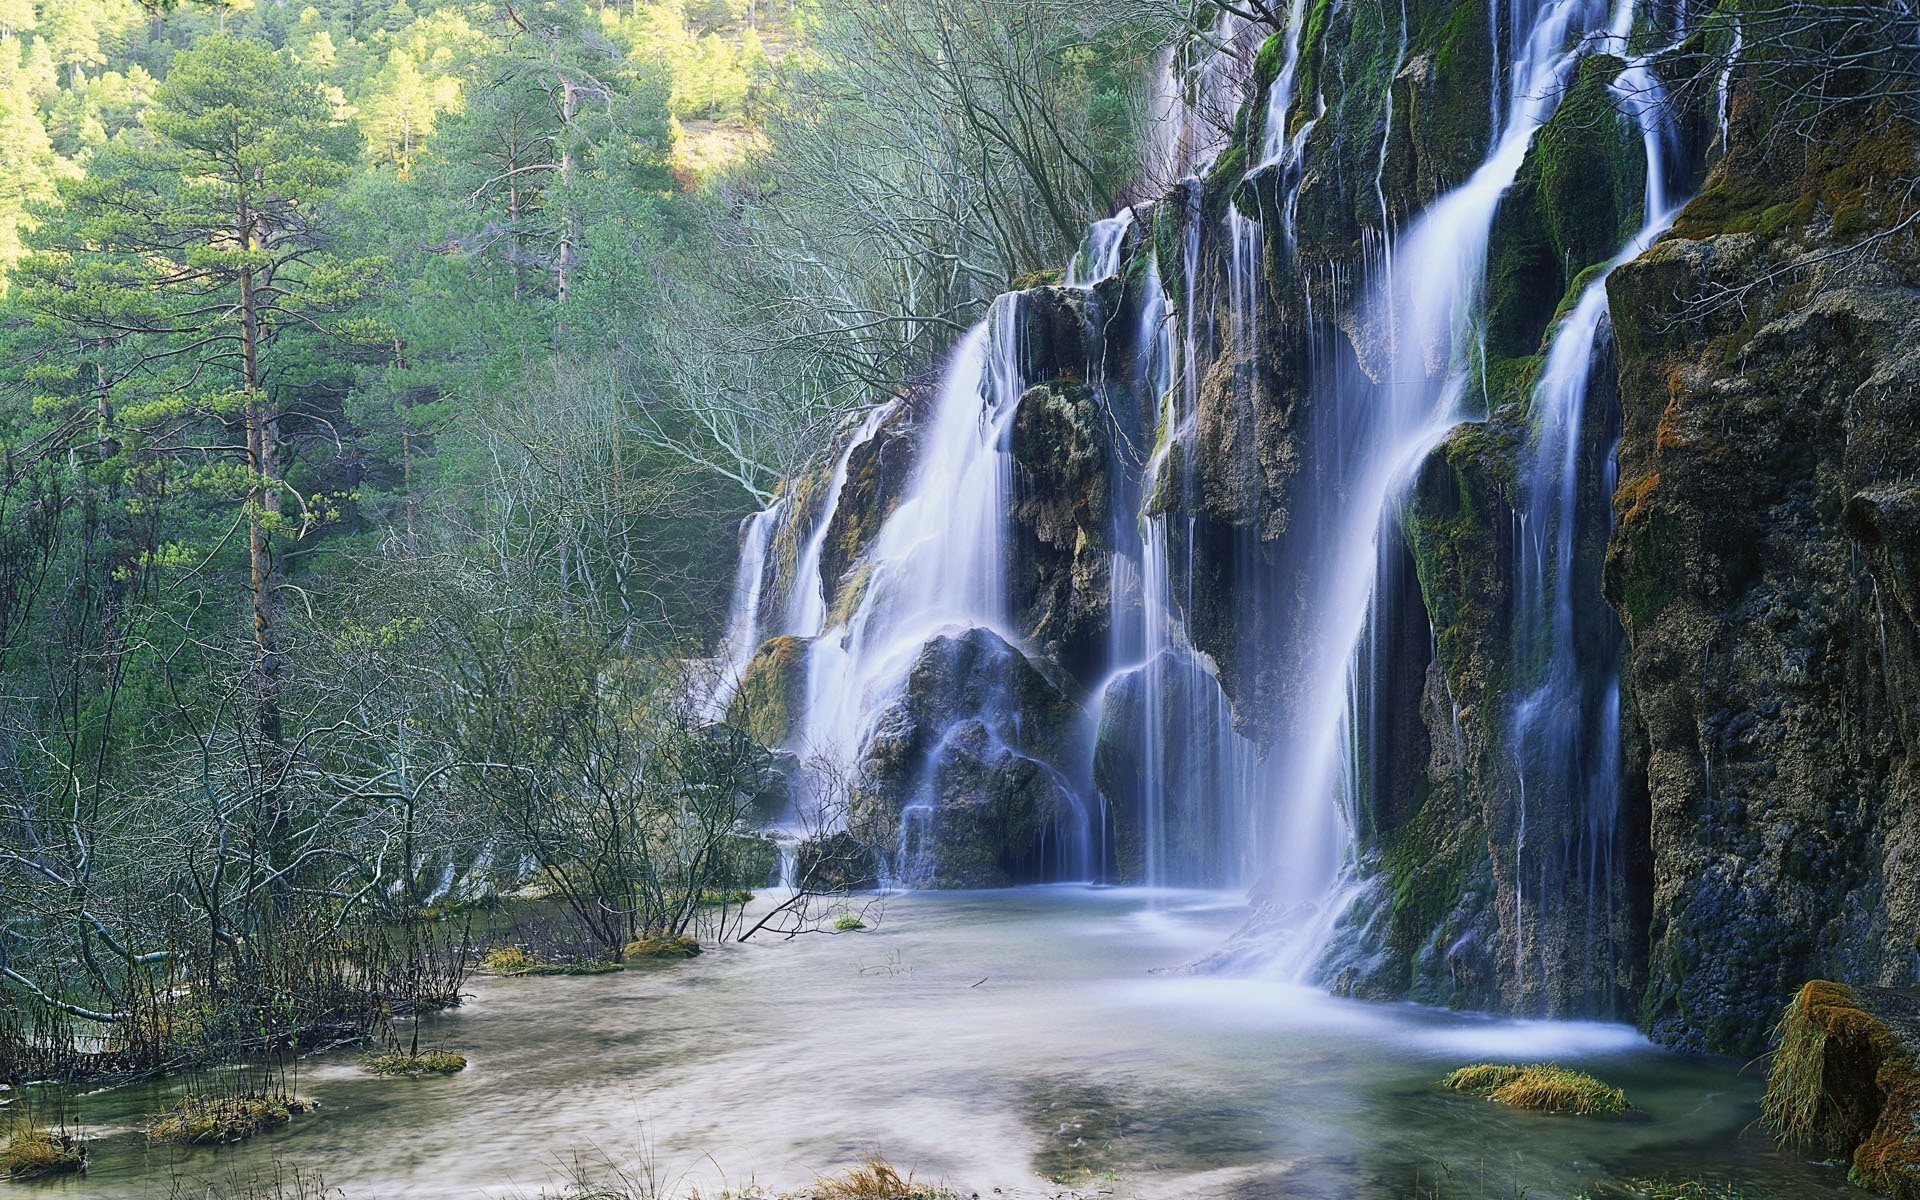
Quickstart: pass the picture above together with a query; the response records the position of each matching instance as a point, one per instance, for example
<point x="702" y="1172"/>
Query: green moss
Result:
<point x="427" y="1062"/>
<point x="1270" y="61"/>
<point x="1307" y="78"/>
<point x="661" y="945"/>
<point x="1577" y="198"/>
<point x="203" y="1120"/>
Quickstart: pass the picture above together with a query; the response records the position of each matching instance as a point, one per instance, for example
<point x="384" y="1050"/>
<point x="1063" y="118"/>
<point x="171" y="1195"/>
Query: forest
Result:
<point x="531" y="530"/>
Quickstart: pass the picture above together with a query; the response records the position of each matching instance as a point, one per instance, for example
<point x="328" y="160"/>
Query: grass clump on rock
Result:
<point x="223" y="1120"/>
<point x="1845" y="1080"/>
<point x="424" y="1062"/>
<point x="661" y="945"/>
<point x="848" y="924"/>
<point x="1542" y="1087"/>
<point x="32" y="1151"/>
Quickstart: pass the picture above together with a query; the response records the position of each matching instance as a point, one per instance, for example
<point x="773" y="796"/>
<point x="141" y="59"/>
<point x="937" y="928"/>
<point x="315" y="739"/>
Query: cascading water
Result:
<point x="1565" y="721"/>
<point x="1204" y="804"/>
<point x="743" y="615"/>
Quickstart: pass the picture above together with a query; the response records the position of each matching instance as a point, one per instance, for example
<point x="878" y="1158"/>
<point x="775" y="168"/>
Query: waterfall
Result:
<point x="743" y="613"/>
<point x="1201" y="802"/>
<point x="1565" y="719"/>
<point x="806" y="614"/>
<point x="1276" y="145"/>
<point x="1099" y="255"/>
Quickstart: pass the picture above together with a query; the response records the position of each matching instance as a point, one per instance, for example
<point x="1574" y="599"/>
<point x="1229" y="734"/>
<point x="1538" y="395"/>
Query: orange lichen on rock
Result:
<point x="1845" y="1080"/>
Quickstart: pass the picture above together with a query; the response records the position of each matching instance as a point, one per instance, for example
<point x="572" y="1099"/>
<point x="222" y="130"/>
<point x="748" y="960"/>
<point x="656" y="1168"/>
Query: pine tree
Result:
<point x="199" y="251"/>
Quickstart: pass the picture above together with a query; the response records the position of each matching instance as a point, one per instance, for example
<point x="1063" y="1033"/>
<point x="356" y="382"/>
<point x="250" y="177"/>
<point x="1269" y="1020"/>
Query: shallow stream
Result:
<point x="1030" y="1041"/>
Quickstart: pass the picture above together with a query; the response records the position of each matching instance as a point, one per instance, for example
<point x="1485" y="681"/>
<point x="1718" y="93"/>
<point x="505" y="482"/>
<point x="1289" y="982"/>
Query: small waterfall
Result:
<point x="1565" y="720"/>
<point x="743" y="614"/>
<point x="806" y="614"/>
<point x="1276" y="145"/>
<point x="1099" y="256"/>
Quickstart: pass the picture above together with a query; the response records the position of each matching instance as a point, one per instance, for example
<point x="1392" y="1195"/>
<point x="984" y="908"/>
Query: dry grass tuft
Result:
<point x="1798" y="1107"/>
<point x="427" y="1062"/>
<point x="876" y="1179"/>
<point x="32" y="1151"/>
<point x="1542" y="1087"/>
<point x="222" y="1120"/>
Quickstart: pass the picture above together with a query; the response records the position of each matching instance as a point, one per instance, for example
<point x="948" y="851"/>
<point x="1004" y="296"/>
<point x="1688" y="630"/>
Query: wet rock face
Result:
<point x="967" y="779"/>
<point x="1183" y="766"/>
<point x="1762" y="562"/>
<point x="1061" y="527"/>
<point x="877" y="474"/>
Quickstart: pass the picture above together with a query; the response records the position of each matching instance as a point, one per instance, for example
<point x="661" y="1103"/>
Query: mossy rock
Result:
<point x="1576" y="200"/>
<point x="426" y="1062"/>
<point x="661" y="945"/>
<point x="773" y="691"/>
<point x="877" y="473"/>
<point x="1060" y="526"/>
<point x="980" y="741"/>
<point x="1845" y="1081"/>
<point x="1542" y="1087"/>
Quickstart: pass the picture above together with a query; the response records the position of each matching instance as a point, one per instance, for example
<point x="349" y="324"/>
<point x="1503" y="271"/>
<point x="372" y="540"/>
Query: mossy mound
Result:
<point x="510" y="961"/>
<point x="661" y="945"/>
<point x="223" y="1120"/>
<point x="1845" y="1081"/>
<point x="32" y="1152"/>
<point x="848" y="924"/>
<point x="426" y="1062"/>
<point x="1542" y="1087"/>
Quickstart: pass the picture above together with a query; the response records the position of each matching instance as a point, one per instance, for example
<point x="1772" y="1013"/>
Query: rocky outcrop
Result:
<point x="968" y="771"/>
<point x="1770" y="384"/>
<point x="1061" y="526"/>
<point x="877" y="473"/>
<point x="1845" y="1082"/>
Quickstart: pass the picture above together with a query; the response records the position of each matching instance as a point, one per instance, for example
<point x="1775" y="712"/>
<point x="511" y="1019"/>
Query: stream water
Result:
<point x="1029" y="1041"/>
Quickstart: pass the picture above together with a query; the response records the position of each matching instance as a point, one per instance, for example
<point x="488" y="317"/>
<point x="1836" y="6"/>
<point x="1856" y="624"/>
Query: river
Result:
<point x="1031" y="1041"/>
